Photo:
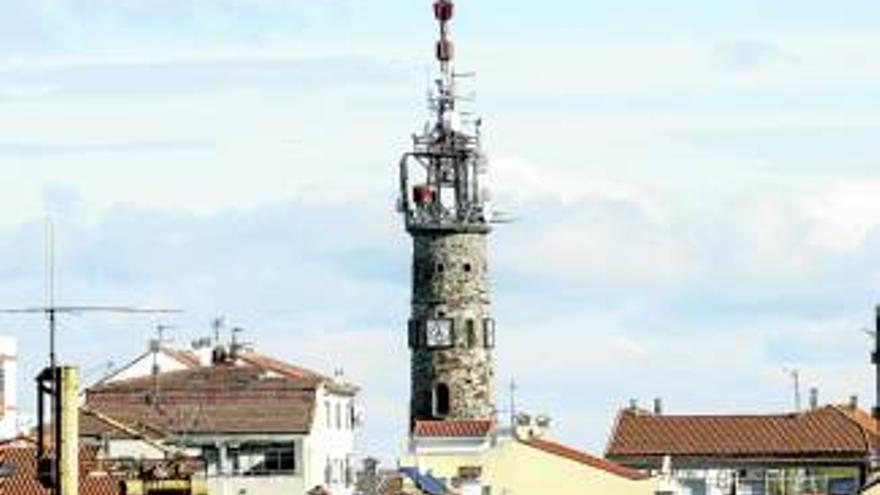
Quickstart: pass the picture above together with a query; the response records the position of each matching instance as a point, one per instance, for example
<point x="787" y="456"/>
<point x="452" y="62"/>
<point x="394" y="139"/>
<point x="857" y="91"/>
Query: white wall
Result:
<point x="331" y="440"/>
<point x="241" y="485"/>
<point x="143" y="366"/>
<point x="9" y="412"/>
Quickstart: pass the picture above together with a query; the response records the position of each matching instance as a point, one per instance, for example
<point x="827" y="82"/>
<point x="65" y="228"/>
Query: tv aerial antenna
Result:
<point x="52" y="310"/>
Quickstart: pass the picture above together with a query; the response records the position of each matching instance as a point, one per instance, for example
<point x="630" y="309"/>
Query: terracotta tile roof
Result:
<point x="860" y="416"/>
<point x="20" y="457"/>
<point x="822" y="432"/>
<point x="584" y="458"/>
<point x="292" y="371"/>
<point x="214" y="399"/>
<point x="453" y="428"/>
<point x="186" y="358"/>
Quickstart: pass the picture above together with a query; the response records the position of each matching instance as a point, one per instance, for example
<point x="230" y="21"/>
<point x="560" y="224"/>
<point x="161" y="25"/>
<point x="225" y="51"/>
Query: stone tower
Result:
<point x="444" y="204"/>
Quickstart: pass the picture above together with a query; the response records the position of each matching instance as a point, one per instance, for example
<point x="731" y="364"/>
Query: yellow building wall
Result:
<point x="514" y="468"/>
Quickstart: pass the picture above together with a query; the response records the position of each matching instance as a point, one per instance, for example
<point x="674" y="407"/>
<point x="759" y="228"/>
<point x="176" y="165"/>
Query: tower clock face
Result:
<point x="439" y="333"/>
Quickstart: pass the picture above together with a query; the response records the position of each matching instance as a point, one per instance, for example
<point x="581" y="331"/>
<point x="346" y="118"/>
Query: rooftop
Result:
<point x="453" y="429"/>
<point x="208" y="399"/>
<point x="18" y="472"/>
<point x="829" y="431"/>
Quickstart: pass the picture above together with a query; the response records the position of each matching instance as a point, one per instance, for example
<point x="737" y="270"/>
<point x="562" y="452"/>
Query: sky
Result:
<point x="694" y="185"/>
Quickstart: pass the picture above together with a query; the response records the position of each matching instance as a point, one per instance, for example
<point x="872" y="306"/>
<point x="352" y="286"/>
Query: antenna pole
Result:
<point x="512" y="403"/>
<point x="50" y="288"/>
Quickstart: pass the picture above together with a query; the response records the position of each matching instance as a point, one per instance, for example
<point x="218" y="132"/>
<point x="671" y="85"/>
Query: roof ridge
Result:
<point x="612" y="434"/>
<point x="643" y="414"/>
<point x="850" y="418"/>
<point x="183" y="356"/>
<point x="279" y="363"/>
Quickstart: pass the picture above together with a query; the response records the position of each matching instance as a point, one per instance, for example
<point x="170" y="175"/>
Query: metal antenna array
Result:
<point x="47" y="377"/>
<point x="442" y="178"/>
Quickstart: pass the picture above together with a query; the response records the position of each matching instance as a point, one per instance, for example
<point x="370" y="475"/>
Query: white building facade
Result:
<point x="261" y="426"/>
<point x="8" y="405"/>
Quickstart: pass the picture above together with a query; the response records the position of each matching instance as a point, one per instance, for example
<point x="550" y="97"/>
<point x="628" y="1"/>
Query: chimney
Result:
<point x="658" y="406"/>
<point x="814" y="398"/>
<point x="853" y="402"/>
<point x="633" y="405"/>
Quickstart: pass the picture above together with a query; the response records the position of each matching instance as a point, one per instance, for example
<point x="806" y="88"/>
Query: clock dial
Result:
<point x="439" y="333"/>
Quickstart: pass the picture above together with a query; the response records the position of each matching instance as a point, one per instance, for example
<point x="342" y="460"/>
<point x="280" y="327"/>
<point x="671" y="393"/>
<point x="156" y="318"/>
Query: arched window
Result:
<point x="441" y="400"/>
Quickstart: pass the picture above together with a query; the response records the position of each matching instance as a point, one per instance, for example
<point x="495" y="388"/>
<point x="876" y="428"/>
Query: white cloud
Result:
<point x="844" y="214"/>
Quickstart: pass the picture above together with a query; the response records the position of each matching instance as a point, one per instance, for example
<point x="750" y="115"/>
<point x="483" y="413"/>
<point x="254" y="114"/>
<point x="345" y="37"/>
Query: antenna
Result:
<point x="796" y="382"/>
<point x="47" y="379"/>
<point x="441" y="178"/>
<point x="512" y="403"/>
<point x="217" y="324"/>
<point x="155" y="347"/>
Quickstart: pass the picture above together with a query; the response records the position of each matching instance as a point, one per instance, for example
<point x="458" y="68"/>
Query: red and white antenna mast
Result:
<point x="441" y="179"/>
<point x="445" y="50"/>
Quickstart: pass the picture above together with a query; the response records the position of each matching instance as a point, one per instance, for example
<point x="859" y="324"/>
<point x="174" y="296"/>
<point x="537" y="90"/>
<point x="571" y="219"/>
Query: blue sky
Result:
<point x="695" y="185"/>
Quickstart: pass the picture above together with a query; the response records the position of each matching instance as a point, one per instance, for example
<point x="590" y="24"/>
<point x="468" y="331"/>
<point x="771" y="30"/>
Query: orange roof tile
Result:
<point x="230" y="399"/>
<point x="21" y="459"/>
<point x="186" y="358"/>
<point x="584" y="458"/>
<point x="453" y="428"/>
<point x="822" y="432"/>
<point x="296" y="372"/>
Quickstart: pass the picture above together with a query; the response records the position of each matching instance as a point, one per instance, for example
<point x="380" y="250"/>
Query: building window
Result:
<point x="471" y="333"/>
<point x="211" y="456"/>
<point x="338" y="416"/>
<point x="440" y="268"/>
<point x="233" y="456"/>
<point x="267" y="459"/>
<point x="441" y="400"/>
<point x="327" y="416"/>
<point x="467" y="267"/>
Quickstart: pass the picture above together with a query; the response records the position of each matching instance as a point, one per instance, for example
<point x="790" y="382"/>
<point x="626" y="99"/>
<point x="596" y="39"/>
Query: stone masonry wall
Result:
<point x="451" y="280"/>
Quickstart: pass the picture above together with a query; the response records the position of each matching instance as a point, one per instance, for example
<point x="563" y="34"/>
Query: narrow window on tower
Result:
<point x="471" y="333"/>
<point x="489" y="332"/>
<point x="467" y="267"/>
<point x="441" y="400"/>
